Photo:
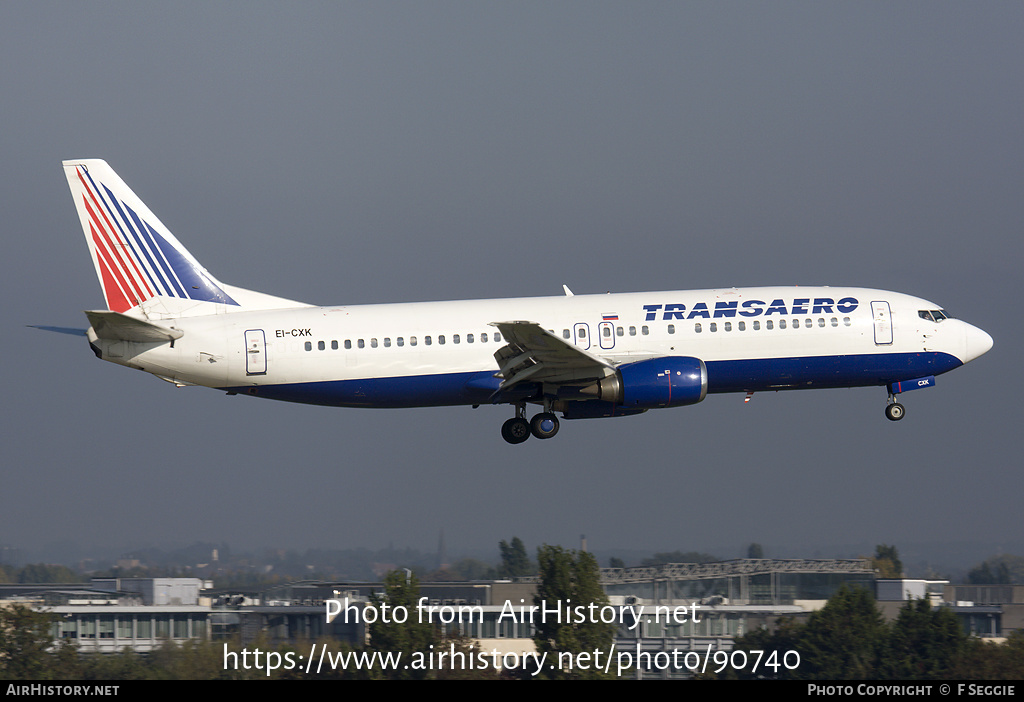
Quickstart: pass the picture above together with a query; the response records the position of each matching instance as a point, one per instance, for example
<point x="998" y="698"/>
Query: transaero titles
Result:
<point x="751" y="308"/>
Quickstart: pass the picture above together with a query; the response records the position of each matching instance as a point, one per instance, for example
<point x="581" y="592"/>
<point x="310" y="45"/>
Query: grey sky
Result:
<point x="374" y="152"/>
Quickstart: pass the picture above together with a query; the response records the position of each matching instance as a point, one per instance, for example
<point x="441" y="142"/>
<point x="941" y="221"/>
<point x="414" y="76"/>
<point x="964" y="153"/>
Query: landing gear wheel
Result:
<point x="515" y="430"/>
<point x="544" y="425"/>
<point x="895" y="412"/>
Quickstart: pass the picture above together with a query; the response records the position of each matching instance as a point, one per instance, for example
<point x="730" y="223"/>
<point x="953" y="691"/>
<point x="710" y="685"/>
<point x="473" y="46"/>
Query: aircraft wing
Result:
<point x="536" y="355"/>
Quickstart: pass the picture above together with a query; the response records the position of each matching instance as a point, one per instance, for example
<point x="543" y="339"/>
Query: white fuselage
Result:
<point x="424" y="354"/>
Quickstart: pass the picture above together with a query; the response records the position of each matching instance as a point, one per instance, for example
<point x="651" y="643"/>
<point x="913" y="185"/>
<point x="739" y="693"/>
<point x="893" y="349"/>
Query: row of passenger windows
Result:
<point x="808" y="323"/>
<point x="768" y="324"/>
<point x="606" y="331"/>
<point x="400" y="341"/>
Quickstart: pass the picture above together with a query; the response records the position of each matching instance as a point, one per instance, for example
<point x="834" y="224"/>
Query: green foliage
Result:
<point x="401" y="592"/>
<point x="44" y="573"/>
<point x="923" y="643"/>
<point x="25" y="637"/>
<point x="887" y="562"/>
<point x="985" y="660"/>
<point x="570" y="579"/>
<point x="845" y="639"/>
<point x="473" y="569"/>
<point x="514" y="560"/>
<point x="998" y="570"/>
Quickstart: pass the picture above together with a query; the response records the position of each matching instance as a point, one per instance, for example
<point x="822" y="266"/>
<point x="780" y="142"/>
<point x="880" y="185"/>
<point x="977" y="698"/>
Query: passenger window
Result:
<point x="835" y="322"/>
<point x="583" y="332"/>
<point x="309" y="345"/>
<point x="483" y="338"/>
<point x="606" y="332"/>
<point x="348" y="344"/>
<point x="565" y="334"/>
<point x="821" y="322"/>
<point x="362" y="344"/>
<point x="373" y="343"/>
<point x="618" y="331"/>
<point x="696" y="327"/>
<point x="742" y="326"/>
<point x="728" y="326"/>
<point x="400" y="341"/>
<point x="713" y="326"/>
<point x="440" y="339"/>
<point x="757" y="324"/>
<point x="334" y="345"/>
<point x="782" y="324"/>
<point x="497" y="336"/>
<point x="455" y="338"/>
<point x="644" y="330"/>
<point x="427" y="340"/>
<point x="387" y="342"/>
<point x="412" y="341"/>
<point x="769" y="324"/>
<point x="469" y="338"/>
<point x="846" y="321"/>
<point x="796" y="324"/>
<point x="671" y="328"/>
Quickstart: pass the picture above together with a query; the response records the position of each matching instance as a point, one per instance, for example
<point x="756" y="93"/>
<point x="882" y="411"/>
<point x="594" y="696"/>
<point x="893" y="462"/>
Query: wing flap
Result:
<point x="535" y="354"/>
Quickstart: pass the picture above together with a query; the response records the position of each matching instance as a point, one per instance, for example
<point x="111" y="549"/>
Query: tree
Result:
<point x="398" y="628"/>
<point x="887" y="562"/>
<point x="985" y="660"/>
<point x="614" y="562"/>
<point x="473" y="569"/>
<point x="45" y="573"/>
<point x="514" y="560"/>
<point x="998" y="570"/>
<point x="25" y="637"/>
<point x="570" y="582"/>
<point x="842" y="641"/>
<point x="924" y="642"/>
<point x="845" y="639"/>
<point x="755" y="550"/>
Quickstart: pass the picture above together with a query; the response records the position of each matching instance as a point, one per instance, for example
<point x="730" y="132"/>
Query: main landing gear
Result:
<point x="517" y="430"/>
<point x="894" y="411"/>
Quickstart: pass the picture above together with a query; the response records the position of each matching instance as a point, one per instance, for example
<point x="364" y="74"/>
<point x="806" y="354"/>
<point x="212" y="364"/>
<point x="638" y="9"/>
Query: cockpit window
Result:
<point x="933" y="315"/>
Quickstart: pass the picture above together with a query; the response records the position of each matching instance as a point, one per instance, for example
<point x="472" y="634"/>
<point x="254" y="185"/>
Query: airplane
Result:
<point x="581" y="356"/>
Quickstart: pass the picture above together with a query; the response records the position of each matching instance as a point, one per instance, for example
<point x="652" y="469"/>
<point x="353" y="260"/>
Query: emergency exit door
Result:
<point x="883" y="323"/>
<point x="255" y="352"/>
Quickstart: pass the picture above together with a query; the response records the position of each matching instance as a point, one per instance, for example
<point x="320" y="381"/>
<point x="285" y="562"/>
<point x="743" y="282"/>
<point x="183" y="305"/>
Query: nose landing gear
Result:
<point x="894" y="411"/>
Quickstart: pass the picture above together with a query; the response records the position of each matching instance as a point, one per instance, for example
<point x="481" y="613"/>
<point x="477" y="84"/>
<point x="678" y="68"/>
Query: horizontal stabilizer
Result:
<point x="114" y="325"/>
<point x="61" y="330"/>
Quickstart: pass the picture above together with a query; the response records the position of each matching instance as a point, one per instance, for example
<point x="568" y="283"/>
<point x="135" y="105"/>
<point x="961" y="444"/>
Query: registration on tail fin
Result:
<point x="137" y="259"/>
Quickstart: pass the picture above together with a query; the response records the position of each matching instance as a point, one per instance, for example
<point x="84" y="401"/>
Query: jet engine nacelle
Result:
<point x="669" y="381"/>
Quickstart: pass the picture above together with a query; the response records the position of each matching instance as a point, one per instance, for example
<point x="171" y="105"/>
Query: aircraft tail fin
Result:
<point x="137" y="258"/>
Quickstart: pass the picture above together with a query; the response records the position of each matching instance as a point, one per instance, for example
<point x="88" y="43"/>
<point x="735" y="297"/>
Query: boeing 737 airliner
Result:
<point x="578" y="355"/>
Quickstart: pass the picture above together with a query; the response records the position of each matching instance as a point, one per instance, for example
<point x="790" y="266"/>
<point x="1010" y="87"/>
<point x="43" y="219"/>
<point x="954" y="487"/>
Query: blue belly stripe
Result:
<point x="746" y="375"/>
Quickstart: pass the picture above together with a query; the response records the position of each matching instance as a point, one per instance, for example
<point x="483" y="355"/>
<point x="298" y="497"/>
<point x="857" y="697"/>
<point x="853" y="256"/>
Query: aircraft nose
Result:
<point x="978" y="342"/>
